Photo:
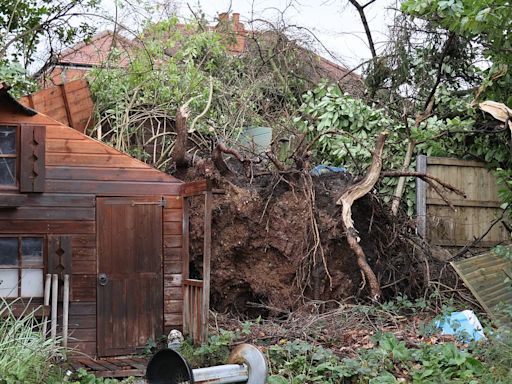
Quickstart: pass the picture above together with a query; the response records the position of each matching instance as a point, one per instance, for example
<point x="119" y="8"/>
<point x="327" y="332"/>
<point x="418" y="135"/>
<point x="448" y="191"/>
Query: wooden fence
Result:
<point x="70" y="104"/>
<point x="474" y="215"/>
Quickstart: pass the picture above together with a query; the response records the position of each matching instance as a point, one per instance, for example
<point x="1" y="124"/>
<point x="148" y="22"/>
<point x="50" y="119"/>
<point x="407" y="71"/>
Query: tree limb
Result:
<point x="429" y="179"/>
<point x="360" y="8"/>
<point x="347" y="199"/>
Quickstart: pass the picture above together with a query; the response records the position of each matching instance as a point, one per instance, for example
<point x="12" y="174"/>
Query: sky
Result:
<point x="335" y="23"/>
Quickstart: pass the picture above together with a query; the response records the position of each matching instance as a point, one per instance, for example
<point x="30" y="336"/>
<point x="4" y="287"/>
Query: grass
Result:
<point x="25" y="355"/>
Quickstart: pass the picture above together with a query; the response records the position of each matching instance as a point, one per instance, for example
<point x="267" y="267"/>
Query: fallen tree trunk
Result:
<point x="347" y="199"/>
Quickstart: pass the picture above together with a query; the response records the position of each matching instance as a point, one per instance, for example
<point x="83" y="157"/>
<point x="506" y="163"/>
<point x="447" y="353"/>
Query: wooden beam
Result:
<point x="465" y="203"/>
<point x="454" y="162"/>
<point x="194" y="188"/>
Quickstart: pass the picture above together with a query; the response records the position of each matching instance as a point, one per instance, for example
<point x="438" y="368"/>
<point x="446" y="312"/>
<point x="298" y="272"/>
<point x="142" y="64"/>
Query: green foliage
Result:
<point x="390" y="360"/>
<point x="81" y="376"/>
<point x="496" y="355"/>
<point x="214" y="352"/>
<point x="24" y="22"/>
<point x="15" y="75"/>
<point x="137" y="102"/>
<point x="482" y="19"/>
<point x="299" y="362"/>
<point x="25" y="355"/>
<point x="347" y="125"/>
<point x="348" y="128"/>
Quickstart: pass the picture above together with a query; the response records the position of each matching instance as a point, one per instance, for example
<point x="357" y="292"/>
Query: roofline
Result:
<point x="4" y="92"/>
<point x="82" y="44"/>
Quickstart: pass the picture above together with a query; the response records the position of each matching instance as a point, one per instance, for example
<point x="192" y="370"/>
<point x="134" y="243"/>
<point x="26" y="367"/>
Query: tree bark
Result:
<point x="179" y="152"/>
<point x="347" y="199"/>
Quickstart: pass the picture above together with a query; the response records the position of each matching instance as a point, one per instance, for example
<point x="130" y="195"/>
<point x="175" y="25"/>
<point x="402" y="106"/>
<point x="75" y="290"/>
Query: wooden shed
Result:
<point x="72" y="205"/>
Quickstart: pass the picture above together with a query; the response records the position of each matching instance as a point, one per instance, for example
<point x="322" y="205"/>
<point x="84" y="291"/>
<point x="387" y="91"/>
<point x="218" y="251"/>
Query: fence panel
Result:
<point x="473" y="215"/>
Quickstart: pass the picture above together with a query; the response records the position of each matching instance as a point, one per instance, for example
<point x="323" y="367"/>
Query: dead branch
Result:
<point x="430" y="180"/>
<point x="477" y="240"/>
<point x="221" y="165"/>
<point x="353" y="193"/>
<point x="273" y="158"/>
<point x="360" y="9"/>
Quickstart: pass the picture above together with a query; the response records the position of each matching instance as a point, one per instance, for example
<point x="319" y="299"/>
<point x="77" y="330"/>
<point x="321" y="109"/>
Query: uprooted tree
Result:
<point x="190" y="108"/>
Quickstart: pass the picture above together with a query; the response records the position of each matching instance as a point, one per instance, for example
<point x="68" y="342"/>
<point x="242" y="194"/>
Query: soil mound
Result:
<point x="277" y="241"/>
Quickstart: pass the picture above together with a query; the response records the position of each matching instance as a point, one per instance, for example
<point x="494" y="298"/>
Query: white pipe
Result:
<point x="221" y="374"/>
<point x="55" y="297"/>
<point x="65" y="312"/>
<point x="46" y="301"/>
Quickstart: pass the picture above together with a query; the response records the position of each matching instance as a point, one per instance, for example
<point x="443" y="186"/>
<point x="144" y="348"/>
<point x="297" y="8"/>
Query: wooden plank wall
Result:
<point x="474" y="214"/>
<point x="69" y="103"/>
<point x="78" y="169"/>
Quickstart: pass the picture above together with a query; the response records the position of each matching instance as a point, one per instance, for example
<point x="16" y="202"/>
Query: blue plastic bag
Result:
<point x="464" y="325"/>
<point x="325" y="169"/>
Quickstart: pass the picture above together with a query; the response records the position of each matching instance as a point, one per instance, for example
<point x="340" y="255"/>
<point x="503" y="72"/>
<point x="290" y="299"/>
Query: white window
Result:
<point x="21" y="266"/>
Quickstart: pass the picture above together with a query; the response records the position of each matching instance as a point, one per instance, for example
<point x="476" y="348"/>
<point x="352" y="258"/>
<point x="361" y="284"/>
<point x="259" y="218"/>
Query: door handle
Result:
<point x="102" y="279"/>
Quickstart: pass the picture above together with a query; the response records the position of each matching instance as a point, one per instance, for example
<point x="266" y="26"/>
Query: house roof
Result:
<point x="96" y="51"/>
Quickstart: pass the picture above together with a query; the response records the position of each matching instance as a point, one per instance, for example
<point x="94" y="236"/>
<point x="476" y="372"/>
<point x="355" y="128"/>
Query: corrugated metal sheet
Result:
<point x="489" y="278"/>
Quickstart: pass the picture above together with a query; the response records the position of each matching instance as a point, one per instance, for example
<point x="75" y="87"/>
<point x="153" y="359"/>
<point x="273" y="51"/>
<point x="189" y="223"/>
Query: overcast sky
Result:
<point x="335" y="22"/>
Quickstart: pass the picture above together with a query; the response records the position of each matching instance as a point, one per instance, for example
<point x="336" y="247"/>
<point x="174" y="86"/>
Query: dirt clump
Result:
<point x="277" y="241"/>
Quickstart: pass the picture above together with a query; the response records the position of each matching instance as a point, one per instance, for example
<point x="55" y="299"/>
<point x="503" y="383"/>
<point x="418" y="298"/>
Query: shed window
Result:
<point x="8" y="155"/>
<point x="21" y="266"/>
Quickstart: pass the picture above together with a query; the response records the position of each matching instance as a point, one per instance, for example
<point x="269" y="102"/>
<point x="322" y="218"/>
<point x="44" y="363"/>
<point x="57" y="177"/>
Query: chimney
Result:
<point x="223" y="17"/>
<point x="236" y="19"/>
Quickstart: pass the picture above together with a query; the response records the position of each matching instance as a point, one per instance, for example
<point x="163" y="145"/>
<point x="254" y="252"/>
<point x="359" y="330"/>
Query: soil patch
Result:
<point x="278" y="242"/>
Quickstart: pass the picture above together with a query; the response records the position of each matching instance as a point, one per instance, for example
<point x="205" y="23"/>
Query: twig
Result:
<point x="477" y="240"/>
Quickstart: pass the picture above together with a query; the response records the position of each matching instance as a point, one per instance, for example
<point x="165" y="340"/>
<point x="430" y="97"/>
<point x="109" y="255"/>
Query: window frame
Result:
<point x="16" y="156"/>
<point x="19" y="267"/>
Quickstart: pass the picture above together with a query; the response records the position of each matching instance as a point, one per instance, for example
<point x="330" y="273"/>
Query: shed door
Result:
<point x="129" y="307"/>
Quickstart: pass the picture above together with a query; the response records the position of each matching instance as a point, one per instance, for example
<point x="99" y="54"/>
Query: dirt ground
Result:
<point x="268" y="256"/>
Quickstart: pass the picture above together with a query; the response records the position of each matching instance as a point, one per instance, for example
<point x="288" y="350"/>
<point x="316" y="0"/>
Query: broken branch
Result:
<point x="347" y="199"/>
<point x="429" y="179"/>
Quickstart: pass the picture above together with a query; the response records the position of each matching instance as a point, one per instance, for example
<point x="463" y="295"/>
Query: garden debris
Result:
<point x="464" y="325"/>
<point x="498" y="110"/>
<point x="488" y="277"/>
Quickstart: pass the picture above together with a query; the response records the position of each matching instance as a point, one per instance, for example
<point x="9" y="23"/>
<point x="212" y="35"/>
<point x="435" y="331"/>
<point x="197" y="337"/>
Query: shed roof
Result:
<point x="66" y="147"/>
<point x="7" y="101"/>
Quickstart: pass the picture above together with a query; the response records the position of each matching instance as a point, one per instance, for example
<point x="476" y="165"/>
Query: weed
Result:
<point x="25" y="355"/>
<point x="214" y="352"/>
